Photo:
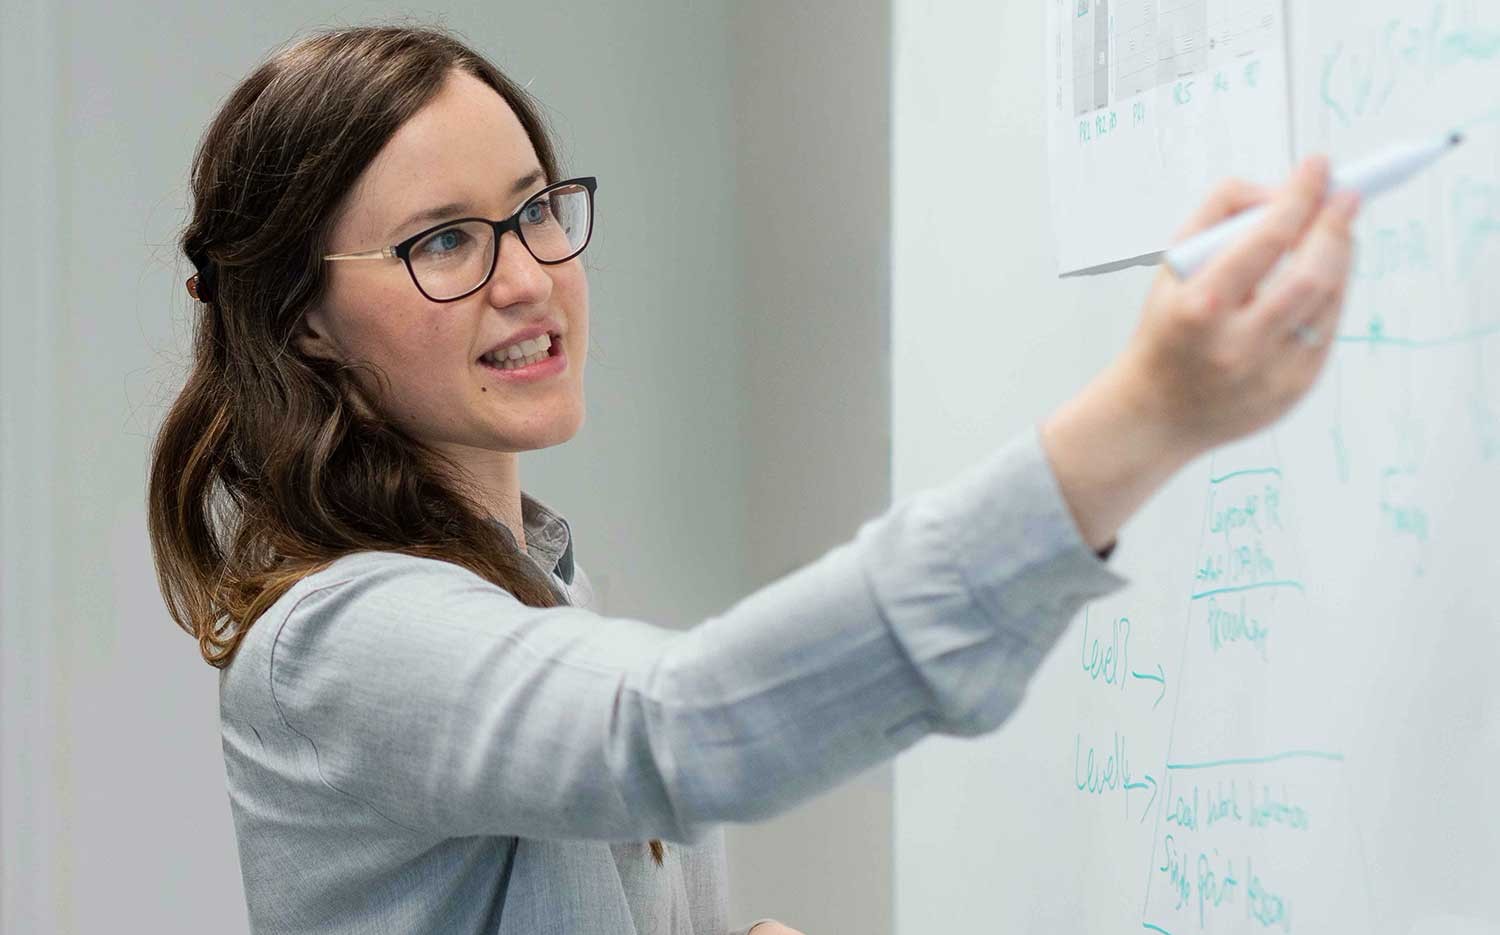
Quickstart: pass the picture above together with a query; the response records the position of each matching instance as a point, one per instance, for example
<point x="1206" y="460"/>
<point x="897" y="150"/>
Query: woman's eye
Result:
<point x="444" y="241"/>
<point x="536" y="212"/>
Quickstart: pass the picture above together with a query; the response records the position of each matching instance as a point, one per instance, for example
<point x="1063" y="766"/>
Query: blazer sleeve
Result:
<point x="447" y="706"/>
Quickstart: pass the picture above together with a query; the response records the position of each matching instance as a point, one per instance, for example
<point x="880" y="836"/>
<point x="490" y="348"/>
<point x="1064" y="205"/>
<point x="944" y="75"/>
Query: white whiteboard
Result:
<point x="1313" y="637"/>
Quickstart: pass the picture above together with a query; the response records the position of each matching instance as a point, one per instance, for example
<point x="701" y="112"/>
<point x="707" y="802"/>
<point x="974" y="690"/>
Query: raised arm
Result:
<point x="446" y="706"/>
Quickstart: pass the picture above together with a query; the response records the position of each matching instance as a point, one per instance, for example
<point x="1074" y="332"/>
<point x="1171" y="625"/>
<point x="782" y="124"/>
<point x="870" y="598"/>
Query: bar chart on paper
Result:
<point x="1152" y="43"/>
<point x="1130" y="80"/>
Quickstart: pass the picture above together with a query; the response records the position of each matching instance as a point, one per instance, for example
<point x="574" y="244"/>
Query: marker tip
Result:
<point x="1455" y="139"/>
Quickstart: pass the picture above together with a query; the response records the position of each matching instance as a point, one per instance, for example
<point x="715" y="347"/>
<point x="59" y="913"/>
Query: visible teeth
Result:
<point x="524" y="362"/>
<point x="526" y="349"/>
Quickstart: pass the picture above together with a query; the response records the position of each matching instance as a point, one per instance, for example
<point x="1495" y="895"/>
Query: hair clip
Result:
<point x="201" y="285"/>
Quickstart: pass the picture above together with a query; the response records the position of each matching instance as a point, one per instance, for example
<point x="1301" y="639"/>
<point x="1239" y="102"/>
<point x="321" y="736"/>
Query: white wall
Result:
<point x="705" y="467"/>
<point x="812" y="147"/>
<point x="29" y="662"/>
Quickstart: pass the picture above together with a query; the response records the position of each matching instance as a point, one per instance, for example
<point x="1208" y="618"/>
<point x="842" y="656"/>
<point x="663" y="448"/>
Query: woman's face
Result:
<point x="465" y="146"/>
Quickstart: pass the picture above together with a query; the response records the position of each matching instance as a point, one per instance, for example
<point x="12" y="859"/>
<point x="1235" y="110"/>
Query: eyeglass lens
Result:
<point x="454" y="260"/>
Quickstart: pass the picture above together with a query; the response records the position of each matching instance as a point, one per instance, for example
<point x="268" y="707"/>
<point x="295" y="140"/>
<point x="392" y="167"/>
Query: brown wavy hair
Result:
<point x="271" y="464"/>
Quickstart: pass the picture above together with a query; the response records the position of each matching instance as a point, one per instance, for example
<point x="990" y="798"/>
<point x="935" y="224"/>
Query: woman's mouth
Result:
<point x="546" y="361"/>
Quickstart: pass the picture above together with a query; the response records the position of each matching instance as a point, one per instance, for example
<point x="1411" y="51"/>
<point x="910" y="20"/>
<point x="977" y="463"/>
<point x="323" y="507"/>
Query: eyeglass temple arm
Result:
<point x="382" y="253"/>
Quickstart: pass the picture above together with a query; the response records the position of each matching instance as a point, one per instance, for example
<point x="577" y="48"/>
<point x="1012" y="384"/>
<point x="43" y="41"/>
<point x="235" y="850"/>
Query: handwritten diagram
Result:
<point x="1289" y="722"/>
<point x="1254" y="802"/>
<point x="1303" y="714"/>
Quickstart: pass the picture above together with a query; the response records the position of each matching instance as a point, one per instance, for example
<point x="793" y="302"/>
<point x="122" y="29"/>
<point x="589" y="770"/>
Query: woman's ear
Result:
<point x="312" y="336"/>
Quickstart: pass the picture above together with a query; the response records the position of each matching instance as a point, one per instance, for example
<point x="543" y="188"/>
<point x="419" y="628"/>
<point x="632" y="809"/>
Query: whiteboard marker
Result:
<point x="1369" y="177"/>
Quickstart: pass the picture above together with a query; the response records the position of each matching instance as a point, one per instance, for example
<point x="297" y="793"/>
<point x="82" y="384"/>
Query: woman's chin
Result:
<point x="560" y="428"/>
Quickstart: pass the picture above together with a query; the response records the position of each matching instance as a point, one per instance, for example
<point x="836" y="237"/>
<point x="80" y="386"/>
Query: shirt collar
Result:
<point x="549" y="538"/>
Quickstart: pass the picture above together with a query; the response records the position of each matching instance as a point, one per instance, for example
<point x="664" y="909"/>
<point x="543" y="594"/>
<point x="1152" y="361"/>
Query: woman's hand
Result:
<point x="1219" y="356"/>
<point x="1215" y="357"/>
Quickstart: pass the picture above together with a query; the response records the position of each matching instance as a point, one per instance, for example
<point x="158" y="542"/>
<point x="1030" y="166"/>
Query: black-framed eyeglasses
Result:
<point x="456" y="258"/>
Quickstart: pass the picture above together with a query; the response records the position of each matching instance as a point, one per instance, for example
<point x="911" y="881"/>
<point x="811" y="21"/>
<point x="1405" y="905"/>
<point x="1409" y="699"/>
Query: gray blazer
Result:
<point x="409" y="749"/>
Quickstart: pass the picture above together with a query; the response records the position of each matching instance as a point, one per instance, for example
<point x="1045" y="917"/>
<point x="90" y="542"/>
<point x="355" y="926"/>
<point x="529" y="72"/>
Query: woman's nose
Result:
<point x="518" y="277"/>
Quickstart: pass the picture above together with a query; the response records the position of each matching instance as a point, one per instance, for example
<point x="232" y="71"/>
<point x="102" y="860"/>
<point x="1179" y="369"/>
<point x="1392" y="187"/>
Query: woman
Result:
<point x="423" y="730"/>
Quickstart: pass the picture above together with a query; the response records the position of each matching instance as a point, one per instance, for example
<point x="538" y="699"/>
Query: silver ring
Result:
<point x="1308" y="335"/>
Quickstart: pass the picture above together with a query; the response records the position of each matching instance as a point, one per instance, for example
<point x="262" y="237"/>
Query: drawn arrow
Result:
<point x="1142" y="785"/>
<point x="1160" y="677"/>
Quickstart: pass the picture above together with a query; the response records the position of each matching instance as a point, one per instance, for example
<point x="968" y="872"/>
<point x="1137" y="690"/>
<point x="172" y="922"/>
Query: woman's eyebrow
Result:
<point x="460" y="207"/>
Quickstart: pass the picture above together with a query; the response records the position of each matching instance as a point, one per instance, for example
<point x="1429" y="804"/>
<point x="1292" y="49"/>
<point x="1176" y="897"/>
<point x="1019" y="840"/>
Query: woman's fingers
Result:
<point x="1233" y="275"/>
<point x="1214" y="365"/>
<point x="1310" y="290"/>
